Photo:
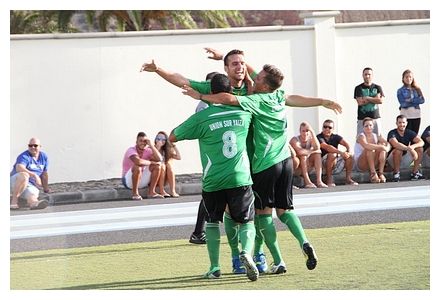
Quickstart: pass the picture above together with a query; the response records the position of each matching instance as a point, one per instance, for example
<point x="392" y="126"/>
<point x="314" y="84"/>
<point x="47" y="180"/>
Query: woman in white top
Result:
<point x="370" y="152"/>
<point x="169" y="153"/>
<point x="308" y="151"/>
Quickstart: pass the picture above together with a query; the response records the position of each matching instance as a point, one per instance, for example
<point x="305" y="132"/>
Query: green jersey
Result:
<point x="204" y="87"/>
<point x="270" y="123"/>
<point x="222" y="132"/>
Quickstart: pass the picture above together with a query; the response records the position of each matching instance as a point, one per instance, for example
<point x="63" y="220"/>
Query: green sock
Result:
<point x="213" y="243"/>
<point x="231" y="229"/>
<point x="270" y="237"/>
<point x="247" y="236"/>
<point x="294" y="224"/>
<point x="259" y="240"/>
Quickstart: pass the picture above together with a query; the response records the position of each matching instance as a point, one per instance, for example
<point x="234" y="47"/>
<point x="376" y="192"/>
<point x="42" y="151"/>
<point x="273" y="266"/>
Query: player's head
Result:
<point x="210" y="75"/>
<point x="235" y="65"/>
<point x="220" y="83"/>
<point x="269" y="79"/>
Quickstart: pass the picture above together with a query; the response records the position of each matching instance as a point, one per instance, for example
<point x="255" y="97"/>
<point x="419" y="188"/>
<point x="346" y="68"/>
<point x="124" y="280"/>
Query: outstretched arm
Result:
<point x="220" y="98"/>
<point x="303" y="101"/>
<point x="173" y="78"/>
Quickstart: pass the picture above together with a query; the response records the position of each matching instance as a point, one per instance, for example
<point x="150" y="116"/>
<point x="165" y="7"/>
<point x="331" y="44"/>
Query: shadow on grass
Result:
<point x="165" y="283"/>
<point x="18" y="257"/>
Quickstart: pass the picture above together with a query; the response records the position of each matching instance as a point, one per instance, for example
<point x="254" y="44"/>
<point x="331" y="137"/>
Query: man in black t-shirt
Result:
<point x="368" y="96"/>
<point x="407" y="147"/>
<point x="332" y="157"/>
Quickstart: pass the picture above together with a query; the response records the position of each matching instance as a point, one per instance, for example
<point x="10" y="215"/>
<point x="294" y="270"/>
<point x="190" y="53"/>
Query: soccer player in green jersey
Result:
<point x="272" y="168"/>
<point x="235" y="68"/>
<point x="222" y="132"/>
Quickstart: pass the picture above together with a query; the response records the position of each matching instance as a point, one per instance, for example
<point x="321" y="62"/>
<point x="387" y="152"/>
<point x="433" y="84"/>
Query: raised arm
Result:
<point x="303" y="101"/>
<point x="220" y="98"/>
<point x="173" y="78"/>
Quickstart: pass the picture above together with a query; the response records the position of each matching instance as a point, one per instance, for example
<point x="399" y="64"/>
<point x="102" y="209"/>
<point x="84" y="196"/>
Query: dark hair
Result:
<point x="166" y="149"/>
<point x="401" y="117"/>
<point x="274" y="77"/>
<point x="413" y="83"/>
<point x="141" y="134"/>
<point x="210" y="75"/>
<point x="367" y="69"/>
<point x="232" y="52"/>
<point x="220" y="83"/>
<point x="328" y="121"/>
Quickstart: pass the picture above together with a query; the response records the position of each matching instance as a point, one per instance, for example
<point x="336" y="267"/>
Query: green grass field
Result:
<point x="391" y="256"/>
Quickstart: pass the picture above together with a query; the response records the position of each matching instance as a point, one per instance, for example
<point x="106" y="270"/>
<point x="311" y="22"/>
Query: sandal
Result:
<point x="310" y="186"/>
<point x="374" y="178"/>
<point x="351" y="182"/>
<point x="382" y="178"/>
<point x="14" y="207"/>
<point x="136" y="197"/>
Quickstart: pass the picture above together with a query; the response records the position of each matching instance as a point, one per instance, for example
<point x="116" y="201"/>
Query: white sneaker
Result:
<point x="278" y="269"/>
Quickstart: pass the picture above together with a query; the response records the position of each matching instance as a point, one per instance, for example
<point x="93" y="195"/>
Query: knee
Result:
<point x="136" y="170"/>
<point x="23" y="176"/>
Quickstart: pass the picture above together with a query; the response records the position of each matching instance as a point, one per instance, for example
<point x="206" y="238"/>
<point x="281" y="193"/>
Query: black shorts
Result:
<point x="240" y="201"/>
<point x="273" y="186"/>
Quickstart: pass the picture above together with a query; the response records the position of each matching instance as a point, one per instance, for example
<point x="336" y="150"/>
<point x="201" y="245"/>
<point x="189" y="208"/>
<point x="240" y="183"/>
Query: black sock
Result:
<point x="200" y="224"/>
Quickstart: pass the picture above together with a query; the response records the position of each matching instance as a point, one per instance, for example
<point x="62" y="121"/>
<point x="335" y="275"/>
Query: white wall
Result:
<point x="84" y="97"/>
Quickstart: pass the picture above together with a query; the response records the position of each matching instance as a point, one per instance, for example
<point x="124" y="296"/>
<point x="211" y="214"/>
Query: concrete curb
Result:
<point x="110" y="194"/>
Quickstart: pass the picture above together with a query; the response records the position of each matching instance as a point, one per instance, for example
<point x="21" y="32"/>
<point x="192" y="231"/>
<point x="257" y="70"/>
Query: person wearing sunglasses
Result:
<point x="335" y="160"/>
<point x="169" y="153"/>
<point x="28" y="174"/>
<point x="141" y="167"/>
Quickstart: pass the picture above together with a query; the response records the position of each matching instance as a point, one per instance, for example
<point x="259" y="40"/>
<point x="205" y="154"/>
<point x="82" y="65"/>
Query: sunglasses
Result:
<point x="33" y="146"/>
<point x="327" y="127"/>
<point x="161" y="139"/>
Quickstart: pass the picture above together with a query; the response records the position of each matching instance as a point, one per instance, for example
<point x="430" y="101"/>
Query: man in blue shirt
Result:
<point x="28" y="173"/>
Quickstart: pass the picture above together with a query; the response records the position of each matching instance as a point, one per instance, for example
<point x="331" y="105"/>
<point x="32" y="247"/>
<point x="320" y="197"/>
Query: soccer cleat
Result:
<point x="213" y="274"/>
<point x="251" y="268"/>
<point x="278" y="269"/>
<point x="237" y="266"/>
<point x="260" y="261"/>
<point x="198" y="238"/>
<point x="396" y="177"/>
<point x="309" y="253"/>
<point x="417" y="176"/>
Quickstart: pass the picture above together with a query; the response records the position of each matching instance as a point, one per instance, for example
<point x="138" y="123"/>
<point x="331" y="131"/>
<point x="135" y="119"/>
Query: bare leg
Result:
<point x="304" y="171"/>
<point x="155" y="174"/>
<point x="171" y="179"/>
<point x="135" y="179"/>
<point x="22" y="180"/>
<point x="317" y="163"/>
<point x="329" y="164"/>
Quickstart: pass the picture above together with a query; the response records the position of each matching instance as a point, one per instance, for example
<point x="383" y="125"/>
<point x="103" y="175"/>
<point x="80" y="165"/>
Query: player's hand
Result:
<point x="333" y="106"/>
<point x="215" y="55"/>
<point x="187" y="90"/>
<point x="149" y="67"/>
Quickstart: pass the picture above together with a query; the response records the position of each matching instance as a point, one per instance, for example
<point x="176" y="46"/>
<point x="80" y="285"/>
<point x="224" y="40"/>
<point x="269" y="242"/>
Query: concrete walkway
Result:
<point x="186" y="184"/>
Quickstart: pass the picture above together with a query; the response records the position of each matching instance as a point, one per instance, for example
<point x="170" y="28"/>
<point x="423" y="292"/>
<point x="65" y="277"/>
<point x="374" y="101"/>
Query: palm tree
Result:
<point x="44" y="21"/>
<point x="140" y="20"/>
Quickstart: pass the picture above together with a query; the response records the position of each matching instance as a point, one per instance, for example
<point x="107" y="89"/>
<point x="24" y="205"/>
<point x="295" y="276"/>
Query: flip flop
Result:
<point x="136" y="197"/>
<point x="156" y="196"/>
<point x="166" y="195"/>
<point x="14" y="207"/>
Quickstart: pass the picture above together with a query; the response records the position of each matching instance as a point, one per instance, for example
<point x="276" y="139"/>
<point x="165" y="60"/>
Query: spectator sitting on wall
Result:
<point x="28" y="174"/>
<point x="332" y="156"/>
<point x="141" y="167"/>
<point x="407" y="147"/>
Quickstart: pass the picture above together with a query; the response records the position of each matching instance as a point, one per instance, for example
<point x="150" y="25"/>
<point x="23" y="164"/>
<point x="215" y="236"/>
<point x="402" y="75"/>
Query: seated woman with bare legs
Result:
<point x="308" y="152"/>
<point x="370" y="152"/>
